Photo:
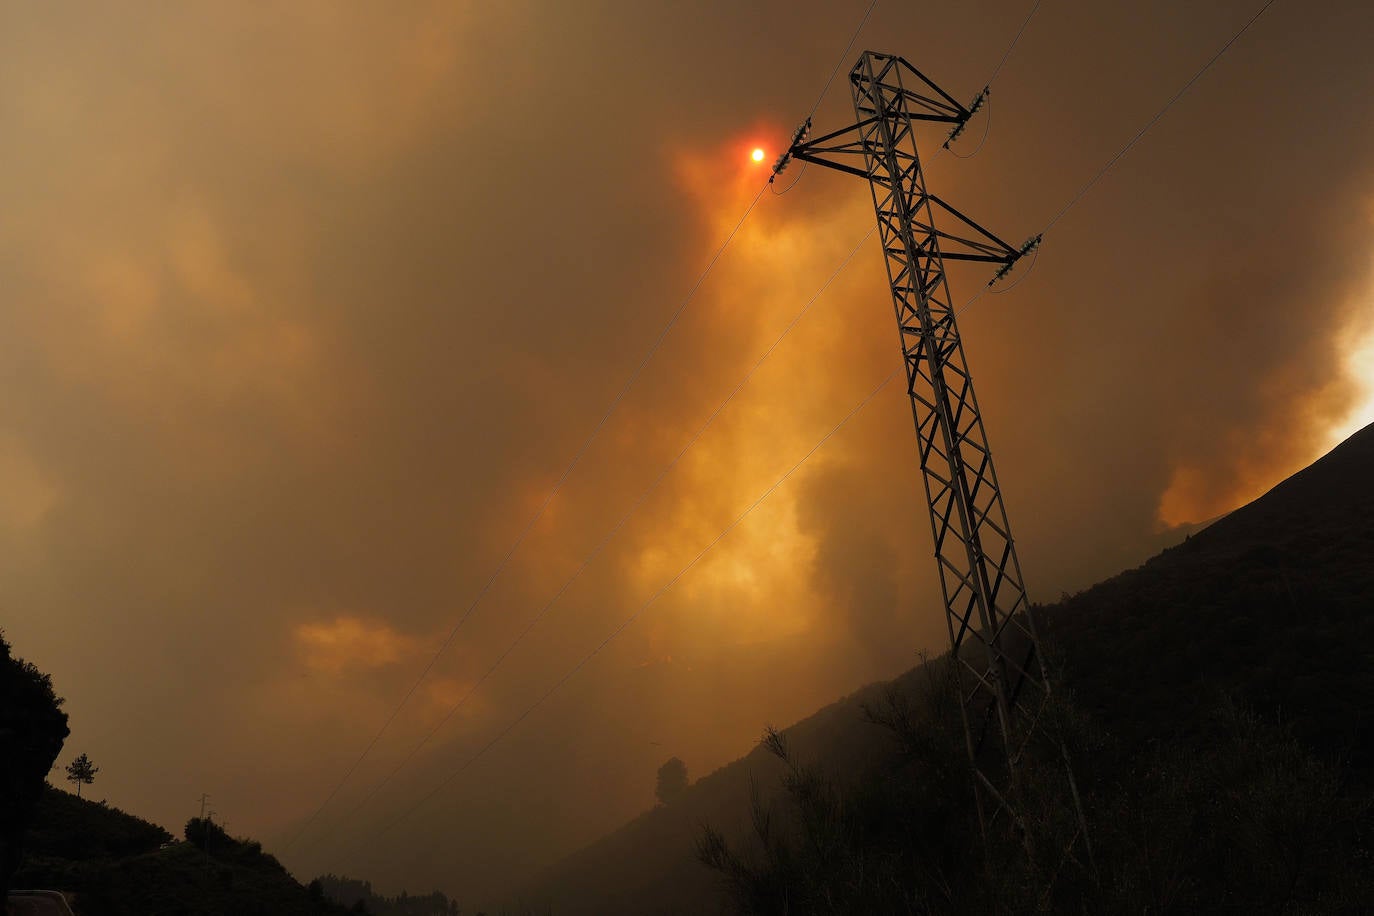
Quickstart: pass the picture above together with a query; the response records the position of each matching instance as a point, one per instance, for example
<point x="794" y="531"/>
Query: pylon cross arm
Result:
<point x="840" y="149"/>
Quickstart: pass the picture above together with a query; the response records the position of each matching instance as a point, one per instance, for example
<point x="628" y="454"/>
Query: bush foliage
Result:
<point x="1216" y="709"/>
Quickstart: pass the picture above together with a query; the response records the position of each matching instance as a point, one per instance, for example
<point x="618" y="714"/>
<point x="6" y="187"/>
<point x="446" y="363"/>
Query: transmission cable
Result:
<point x="800" y="173"/>
<point x="1139" y="134"/>
<point x="567" y="472"/>
<point x="1159" y="114"/>
<point x="639" y="501"/>
<point x="1059" y="215"/>
<point x="987" y="128"/>
<point x="985" y="96"/>
<point x="529" y="526"/>
<point x="638" y="612"/>
<point x="643" y="496"/>
<point x="824" y="90"/>
<point x="843" y="54"/>
<point x="1015" y="39"/>
<point x="624" y="518"/>
<point x="1035" y="259"/>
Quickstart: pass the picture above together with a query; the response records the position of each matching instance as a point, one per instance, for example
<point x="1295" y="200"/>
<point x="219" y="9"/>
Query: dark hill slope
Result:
<point x="648" y="867"/>
<point x="78" y="829"/>
<point x="1273" y="603"/>
<point x="120" y="865"/>
<point x="33" y="728"/>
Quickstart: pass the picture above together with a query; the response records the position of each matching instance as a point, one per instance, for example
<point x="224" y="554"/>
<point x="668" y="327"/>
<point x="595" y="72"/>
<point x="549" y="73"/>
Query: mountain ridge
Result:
<point x="1263" y="608"/>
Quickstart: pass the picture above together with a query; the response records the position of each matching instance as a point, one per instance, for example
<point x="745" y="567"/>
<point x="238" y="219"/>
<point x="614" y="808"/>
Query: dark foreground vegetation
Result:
<point x="32" y="730"/>
<point x="1248" y="821"/>
<point x="1218" y="711"/>
<point x="115" y="864"/>
<point x="1218" y="703"/>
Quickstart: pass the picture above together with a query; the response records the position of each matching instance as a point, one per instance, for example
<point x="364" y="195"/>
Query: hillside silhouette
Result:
<point x="1273" y="603"/>
<point x="1218" y="699"/>
<point x="359" y="896"/>
<point x="113" y="863"/>
<point x="33" y="728"/>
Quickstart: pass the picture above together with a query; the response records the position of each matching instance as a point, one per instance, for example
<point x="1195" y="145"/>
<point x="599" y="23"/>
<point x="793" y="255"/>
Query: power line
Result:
<point x="634" y="507"/>
<point x="642" y="608"/>
<point x="987" y="129"/>
<point x="1159" y="114"/>
<point x="800" y="173"/>
<point x="1136" y="138"/>
<point x="624" y="625"/>
<point x="596" y="551"/>
<point x="643" y="496"/>
<point x="985" y="97"/>
<point x="1072" y="202"/>
<point x="843" y="54"/>
<point x="1014" y="41"/>
<point x="826" y="89"/>
<point x="529" y="526"/>
<point x="567" y="472"/>
<point x="1035" y="258"/>
<point x="429" y="736"/>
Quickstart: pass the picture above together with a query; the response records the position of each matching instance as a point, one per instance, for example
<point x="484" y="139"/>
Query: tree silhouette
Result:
<point x="672" y="780"/>
<point x="32" y="730"/>
<point x="81" y="771"/>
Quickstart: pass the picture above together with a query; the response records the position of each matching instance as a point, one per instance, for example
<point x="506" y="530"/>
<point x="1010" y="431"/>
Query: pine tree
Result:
<point x="81" y="771"/>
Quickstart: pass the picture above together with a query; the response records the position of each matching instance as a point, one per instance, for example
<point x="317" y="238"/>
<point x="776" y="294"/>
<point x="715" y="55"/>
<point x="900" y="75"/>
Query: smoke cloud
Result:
<point x="305" y="310"/>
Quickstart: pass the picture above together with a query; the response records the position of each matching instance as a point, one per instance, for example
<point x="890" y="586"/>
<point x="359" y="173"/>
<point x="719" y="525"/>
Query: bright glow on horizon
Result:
<point x="1359" y="363"/>
<point x="1356" y="345"/>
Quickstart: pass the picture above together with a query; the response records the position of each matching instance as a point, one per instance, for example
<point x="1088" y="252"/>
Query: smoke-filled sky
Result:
<point x="305" y="308"/>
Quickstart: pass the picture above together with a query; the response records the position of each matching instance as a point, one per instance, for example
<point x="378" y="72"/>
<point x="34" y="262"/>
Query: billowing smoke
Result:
<point x="304" y="311"/>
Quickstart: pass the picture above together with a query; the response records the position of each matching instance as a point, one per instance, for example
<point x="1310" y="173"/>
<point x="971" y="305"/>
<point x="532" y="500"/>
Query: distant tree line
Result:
<point x="359" y="896"/>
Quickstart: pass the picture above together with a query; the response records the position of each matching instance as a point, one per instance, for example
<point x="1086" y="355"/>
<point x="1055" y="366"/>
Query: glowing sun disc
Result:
<point x="757" y="154"/>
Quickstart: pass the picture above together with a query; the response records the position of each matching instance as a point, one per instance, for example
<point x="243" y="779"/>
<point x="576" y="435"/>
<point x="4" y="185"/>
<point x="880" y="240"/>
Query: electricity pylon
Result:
<point x="1003" y="685"/>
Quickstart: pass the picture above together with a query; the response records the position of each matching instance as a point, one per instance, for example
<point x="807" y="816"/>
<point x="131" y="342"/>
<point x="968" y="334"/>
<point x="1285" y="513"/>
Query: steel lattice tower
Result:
<point x="1002" y="681"/>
